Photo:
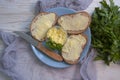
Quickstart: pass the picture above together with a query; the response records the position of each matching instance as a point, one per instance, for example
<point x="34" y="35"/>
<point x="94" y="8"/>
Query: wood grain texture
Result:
<point x="16" y="15"/>
<point x="49" y="53"/>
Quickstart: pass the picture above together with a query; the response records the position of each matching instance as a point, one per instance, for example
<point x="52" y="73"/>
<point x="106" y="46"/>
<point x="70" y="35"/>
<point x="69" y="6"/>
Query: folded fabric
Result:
<point x="72" y="4"/>
<point x="19" y="62"/>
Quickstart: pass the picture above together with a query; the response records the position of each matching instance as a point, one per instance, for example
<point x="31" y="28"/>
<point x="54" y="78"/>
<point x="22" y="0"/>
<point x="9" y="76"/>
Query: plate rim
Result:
<point x="87" y="45"/>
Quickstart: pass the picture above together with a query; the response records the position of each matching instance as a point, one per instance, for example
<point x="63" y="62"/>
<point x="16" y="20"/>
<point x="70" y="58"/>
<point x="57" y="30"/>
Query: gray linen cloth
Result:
<point x="19" y="62"/>
<point x="73" y="4"/>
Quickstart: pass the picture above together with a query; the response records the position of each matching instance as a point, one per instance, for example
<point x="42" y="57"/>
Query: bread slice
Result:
<point x="73" y="48"/>
<point x="75" y="23"/>
<point x="41" y="23"/>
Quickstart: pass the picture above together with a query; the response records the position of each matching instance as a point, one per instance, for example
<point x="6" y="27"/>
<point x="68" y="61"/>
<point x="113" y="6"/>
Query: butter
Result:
<point x="57" y="34"/>
<point x="76" y="22"/>
<point x="73" y="47"/>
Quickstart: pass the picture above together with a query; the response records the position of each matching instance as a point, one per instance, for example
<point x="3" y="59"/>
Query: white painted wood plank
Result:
<point x="16" y="14"/>
<point x="17" y="9"/>
<point x="15" y="22"/>
<point x="4" y="19"/>
<point x="105" y="72"/>
<point x="18" y="1"/>
<point x="19" y="26"/>
<point x="17" y="6"/>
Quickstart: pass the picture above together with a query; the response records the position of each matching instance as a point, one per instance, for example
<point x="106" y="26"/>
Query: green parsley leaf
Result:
<point x="105" y="29"/>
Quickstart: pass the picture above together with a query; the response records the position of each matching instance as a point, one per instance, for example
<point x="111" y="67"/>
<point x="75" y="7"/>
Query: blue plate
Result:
<point x="50" y="62"/>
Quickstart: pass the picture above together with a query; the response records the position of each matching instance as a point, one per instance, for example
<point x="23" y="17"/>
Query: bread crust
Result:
<point x="36" y="17"/>
<point x="77" y="60"/>
<point x="77" y="31"/>
<point x="71" y="62"/>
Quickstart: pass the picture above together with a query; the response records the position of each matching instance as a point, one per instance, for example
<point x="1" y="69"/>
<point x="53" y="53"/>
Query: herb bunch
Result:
<point x="54" y="46"/>
<point x="105" y="29"/>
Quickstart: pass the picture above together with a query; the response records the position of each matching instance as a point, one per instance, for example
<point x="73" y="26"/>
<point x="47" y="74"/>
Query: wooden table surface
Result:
<point x="16" y="15"/>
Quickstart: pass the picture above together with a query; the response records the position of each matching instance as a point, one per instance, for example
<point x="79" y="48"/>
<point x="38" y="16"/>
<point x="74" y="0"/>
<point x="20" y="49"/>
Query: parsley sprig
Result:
<point x="105" y="28"/>
<point x="52" y="45"/>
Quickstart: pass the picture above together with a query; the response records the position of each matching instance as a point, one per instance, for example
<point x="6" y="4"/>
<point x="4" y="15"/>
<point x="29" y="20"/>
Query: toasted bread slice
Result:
<point x="73" y="48"/>
<point x="75" y="23"/>
<point x="41" y="23"/>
